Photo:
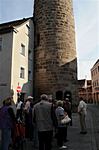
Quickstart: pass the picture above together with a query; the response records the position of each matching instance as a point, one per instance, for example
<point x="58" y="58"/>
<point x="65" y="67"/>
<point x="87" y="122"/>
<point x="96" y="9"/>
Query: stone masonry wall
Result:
<point x="55" y="51"/>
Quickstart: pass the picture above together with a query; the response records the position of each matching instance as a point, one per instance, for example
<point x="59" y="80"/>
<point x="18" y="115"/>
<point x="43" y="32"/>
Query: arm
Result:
<point x="53" y="116"/>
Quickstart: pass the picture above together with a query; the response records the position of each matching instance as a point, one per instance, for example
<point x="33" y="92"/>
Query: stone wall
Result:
<point x="55" y="51"/>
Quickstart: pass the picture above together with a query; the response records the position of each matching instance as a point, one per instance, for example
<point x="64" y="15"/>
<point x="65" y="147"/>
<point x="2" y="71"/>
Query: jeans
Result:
<point x="5" y="138"/>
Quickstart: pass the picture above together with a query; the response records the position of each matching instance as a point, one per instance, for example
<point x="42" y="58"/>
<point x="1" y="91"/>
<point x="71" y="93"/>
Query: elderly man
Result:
<point x="42" y="118"/>
<point x="82" y="111"/>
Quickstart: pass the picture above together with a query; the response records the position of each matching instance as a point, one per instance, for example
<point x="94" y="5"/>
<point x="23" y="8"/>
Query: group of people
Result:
<point x="45" y="115"/>
<point x="7" y="122"/>
<point x="15" y="122"/>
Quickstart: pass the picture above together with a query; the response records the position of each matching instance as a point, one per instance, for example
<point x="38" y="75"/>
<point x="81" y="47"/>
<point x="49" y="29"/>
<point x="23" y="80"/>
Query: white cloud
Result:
<point x="84" y="68"/>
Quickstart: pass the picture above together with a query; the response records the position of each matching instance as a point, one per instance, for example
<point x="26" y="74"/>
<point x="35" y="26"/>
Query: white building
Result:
<point x="16" y="58"/>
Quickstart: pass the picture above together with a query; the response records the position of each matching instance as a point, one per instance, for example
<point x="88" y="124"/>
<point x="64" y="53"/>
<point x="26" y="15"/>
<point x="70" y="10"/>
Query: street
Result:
<point x="94" y="110"/>
<point x="90" y="141"/>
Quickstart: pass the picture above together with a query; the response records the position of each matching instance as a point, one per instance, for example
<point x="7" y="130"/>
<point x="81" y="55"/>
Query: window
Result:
<point x="23" y="49"/>
<point x="96" y="70"/>
<point x="91" y="73"/>
<point x="0" y="44"/>
<point x="28" y="26"/>
<point x="28" y="29"/>
<point x="22" y="72"/>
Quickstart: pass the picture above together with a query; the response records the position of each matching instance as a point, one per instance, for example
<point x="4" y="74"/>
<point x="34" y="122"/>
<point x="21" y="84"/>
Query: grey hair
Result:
<point x="44" y="97"/>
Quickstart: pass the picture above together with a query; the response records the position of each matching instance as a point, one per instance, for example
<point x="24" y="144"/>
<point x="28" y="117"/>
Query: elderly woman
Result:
<point x="43" y="120"/>
<point x="60" y="113"/>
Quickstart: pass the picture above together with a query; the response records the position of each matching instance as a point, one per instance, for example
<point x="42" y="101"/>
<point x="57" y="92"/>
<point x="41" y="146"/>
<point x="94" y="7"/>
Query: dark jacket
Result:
<point x="7" y="117"/>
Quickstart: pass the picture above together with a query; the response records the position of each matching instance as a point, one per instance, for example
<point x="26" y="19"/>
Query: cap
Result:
<point x="29" y="97"/>
<point x="67" y="99"/>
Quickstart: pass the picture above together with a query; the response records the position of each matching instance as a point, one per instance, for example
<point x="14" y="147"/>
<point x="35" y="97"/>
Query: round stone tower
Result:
<point x="55" y="61"/>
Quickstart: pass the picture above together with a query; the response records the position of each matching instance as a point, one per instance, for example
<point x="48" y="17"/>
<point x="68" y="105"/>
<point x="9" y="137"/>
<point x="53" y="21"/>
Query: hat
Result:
<point x="29" y="97"/>
<point x="67" y="99"/>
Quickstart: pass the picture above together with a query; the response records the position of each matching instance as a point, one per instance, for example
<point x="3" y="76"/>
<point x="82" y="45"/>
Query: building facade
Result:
<point x="95" y="81"/>
<point x="16" y="58"/>
<point x="55" y="68"/>
<point x="85" y="90"/>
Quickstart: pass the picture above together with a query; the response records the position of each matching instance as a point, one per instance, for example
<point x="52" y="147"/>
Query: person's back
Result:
<point x="43" y="120"/>
<point x="82" y="111"/>
<point x="7" y="119"/>
<point x="19" y="107"/>
<point x="60" y="114"/>
<point x="28" y="119"/>
<point x="82" y="107"/>
<point x="43" y="116"/>
<point x="7" y="116"/>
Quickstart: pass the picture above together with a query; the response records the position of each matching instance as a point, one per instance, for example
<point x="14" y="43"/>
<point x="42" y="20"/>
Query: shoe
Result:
<point x="66" y="140"/>
<point x="63" y="147"/>
<point x="83" y="132"/>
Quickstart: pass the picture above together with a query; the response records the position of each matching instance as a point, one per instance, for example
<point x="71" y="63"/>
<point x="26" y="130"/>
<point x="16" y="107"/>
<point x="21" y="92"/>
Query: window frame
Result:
<point x="22" y="49"/>
<point x="22" y="72"/>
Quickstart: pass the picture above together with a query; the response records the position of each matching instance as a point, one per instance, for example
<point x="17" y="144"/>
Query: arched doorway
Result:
<point x="68" y="95"/>
<point x="59" y="95"/>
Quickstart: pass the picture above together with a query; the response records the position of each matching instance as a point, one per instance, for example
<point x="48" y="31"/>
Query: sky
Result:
<point x="86" y="15"/>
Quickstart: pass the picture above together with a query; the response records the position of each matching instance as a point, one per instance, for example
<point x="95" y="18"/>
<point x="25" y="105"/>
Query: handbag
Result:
<point x="19" y="130"/>
<point x="65" y="120"/>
